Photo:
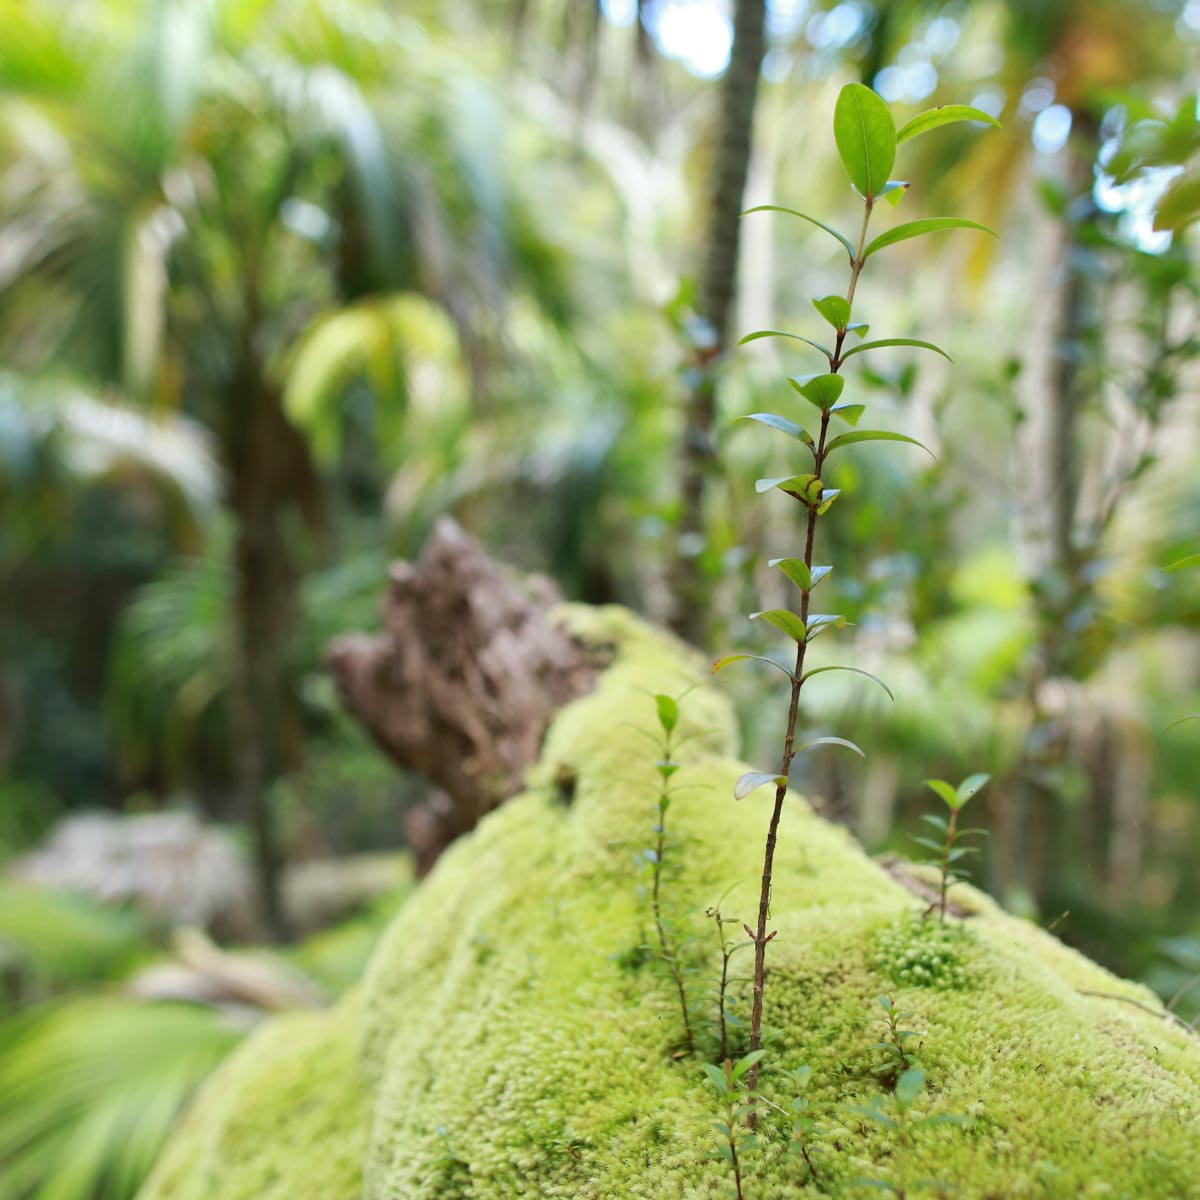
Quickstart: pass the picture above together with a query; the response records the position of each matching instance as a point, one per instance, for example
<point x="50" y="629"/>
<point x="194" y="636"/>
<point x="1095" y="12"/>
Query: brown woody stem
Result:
<point x="789" y="742"/>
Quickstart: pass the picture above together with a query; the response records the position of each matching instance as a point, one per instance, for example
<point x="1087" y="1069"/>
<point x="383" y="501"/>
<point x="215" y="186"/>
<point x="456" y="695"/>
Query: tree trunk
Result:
<point x="718" y="280"/>
<point x="269" y="468"/>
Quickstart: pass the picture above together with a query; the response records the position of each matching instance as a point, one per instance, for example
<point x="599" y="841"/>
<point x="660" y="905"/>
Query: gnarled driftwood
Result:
<point x="462" y="682"/>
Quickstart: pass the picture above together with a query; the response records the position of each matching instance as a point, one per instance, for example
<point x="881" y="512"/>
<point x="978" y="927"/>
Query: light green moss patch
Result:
<point x="512" y="1047"/>
<point x="286" y="1117"/>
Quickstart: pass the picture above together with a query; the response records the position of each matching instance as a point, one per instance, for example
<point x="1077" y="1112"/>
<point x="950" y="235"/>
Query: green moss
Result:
<point x="509" y="1050"/>
<point x="285" y="1117"/>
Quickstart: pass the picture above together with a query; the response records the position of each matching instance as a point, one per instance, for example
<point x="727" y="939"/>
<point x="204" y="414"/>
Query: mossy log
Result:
<point x="509" y="1040"/>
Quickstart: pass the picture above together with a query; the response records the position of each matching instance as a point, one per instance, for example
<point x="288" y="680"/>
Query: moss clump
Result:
<point x="916" y="953"/>
<point x="542" y="1067"/>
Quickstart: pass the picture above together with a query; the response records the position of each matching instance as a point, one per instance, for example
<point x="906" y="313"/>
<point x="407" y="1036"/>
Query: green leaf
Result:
<point x="832" y="741"/>
<point x="909" y="1086"/>
<point x="873" y="435"/>
<point x="668" y="712"/>
<point x="1180" y="204"/>
<point x="806" y="488"/>
<point x="881" y="1118"/>
<point x="916" y="228"/>
<point x="928" y="843"/>
<point x="717" y="1076"/>
<point x="1192" y="560"/>
<point x="828" y="496"/>
<point x="969" y="787"/>
<point x="834" y="309"/>
<point x="752" y="781"/>
<point x="785" y="620"/>
<point x="879" y="345"/>
<point x="939" y="823"/>
<point x="766" y="333"/>
<point x="866" y="138"/>
<point x="819" y="622"/>
<point x="884" y="1002"/>
<point x="821" y="390"/>
<point x="775" y="421"/>
<point x="946" y="114"/>
<point x="796" y="569"/>
<point x="791" y="212"/>
<point x="746" y="1062"/>
<point x="895" y="191"/>
<point x="727" y="659"/>
<point x="855" y="670"/>
<point x="819" y="573"/>
<point x="858" y="327"/>
<point x="849" y="413"/>
<point x="1189" y="717"/>
<point x="946" y="791"/>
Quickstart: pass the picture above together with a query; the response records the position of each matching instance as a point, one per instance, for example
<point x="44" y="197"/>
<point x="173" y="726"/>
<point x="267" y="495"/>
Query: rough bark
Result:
<point x="462" y="682"/>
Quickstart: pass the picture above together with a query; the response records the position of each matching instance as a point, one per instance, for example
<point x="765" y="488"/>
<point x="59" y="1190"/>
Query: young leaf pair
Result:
<point x="948" y="852"/>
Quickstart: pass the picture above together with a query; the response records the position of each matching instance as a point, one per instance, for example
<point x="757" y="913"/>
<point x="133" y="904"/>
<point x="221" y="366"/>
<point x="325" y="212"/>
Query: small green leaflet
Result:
<point x="784" y="620"/>
<point x="791" y="212"/>
<point x="775" y="421"/>
<point x="806" y="488"/>
<point x="727" y="659"/>
<point x="832" y="741"/>
<point x="866" y="138"/>
<point x="753" y="780"/>
<point x="858" y="327"/>
<point x="909" y="1086"/>
<point x="874" y="435"/>
<point x="849" y="412"/>
<point x="668" y="712"/>
<point x="821" y="390"/>
<point x="766" y="333"/>
<point x="1180" y="204"/>
<point x="828" y="496"/>
<point x="916" y="228"/>
<point x="946" y="114"/>
<point x="896" y="342"/>
<point x="1192" y="560"/>
<point x="855" y="670"/>
<point x="945" y="791"/>
<point x="819" y="622"/>
<point x="1189" y="717"/>
<point x="798" y="572"/>
<point x="969" y="787"/>
<point x="796" y="569"/>
<point x="834" y="309"/>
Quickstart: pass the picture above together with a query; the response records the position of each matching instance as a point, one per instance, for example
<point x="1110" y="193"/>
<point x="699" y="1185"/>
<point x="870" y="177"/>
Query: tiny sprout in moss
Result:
<point x="728" y="1025"/>
<point x="907" y="1090"/>
<point x="807" y="1130"/>
<point x="734" y="1096"/>
<point x="946" y="853"/>
<point x="895" y="1044"/>
<point x="670" y="942"/>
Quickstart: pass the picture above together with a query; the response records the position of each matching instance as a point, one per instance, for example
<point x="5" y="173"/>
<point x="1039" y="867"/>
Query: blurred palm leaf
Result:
<point x="50" y="940"/>
<point x="90" y="1088"/>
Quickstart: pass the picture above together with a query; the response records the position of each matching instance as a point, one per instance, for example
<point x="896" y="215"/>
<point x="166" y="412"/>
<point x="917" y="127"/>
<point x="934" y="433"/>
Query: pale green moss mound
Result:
<point x="510" y="1044"/>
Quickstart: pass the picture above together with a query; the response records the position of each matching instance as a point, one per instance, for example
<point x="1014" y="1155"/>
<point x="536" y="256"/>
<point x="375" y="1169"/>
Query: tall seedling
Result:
<point x="866" y="138"/>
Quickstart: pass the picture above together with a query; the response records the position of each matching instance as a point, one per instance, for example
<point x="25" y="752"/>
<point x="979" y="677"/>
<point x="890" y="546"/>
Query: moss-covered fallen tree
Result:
<point x="511" y="1040"/>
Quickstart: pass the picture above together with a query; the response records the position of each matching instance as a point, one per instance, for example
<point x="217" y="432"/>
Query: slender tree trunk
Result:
<point x="718" y="280"/>
<point x="265" y="456"/>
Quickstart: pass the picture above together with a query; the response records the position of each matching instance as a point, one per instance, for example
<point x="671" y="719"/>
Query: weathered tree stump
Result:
<point x="462" y="682"/>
